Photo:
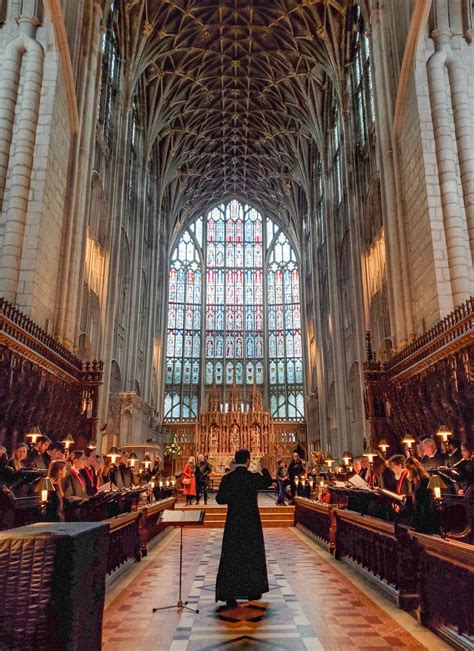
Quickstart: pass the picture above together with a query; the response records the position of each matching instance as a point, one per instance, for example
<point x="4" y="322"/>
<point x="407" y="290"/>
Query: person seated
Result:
<point x="74" y="486"/>
<point x="18" y="460"/>
<point x="38" y="458"/>
<point x="420" y="506"/>
<point x="454" y="452"/>
<point x="55" y="505"/>
<point x="432" y="458"/>
<point x="397" y="465"/>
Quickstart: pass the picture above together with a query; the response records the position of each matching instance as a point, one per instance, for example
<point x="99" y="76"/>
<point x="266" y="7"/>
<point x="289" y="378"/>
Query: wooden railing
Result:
<point x="131" y="533"/>
<point x="446" y="585"/>
<point x="415" y="570"/>
<point x="317" y="520"/>
<point x="454" y="327"/>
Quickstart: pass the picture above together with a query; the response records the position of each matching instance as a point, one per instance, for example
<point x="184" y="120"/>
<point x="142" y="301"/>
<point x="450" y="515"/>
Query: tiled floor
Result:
<point x="311" y="604"/>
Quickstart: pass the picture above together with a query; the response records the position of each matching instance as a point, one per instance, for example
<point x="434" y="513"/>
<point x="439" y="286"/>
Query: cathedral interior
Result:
<point x="232" y="224"/>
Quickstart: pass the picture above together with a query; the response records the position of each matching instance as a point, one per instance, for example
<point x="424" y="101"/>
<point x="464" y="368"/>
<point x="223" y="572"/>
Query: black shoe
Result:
<point x="231" y="603"/>
<point x="255" y="597"/>
<point x="205" y="501"/>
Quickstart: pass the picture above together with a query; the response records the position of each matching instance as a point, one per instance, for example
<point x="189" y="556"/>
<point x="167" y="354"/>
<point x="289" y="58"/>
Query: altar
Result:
<point x="225" y="428"/>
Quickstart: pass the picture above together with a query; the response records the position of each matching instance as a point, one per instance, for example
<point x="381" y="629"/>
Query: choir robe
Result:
<point x="242" y="568"/>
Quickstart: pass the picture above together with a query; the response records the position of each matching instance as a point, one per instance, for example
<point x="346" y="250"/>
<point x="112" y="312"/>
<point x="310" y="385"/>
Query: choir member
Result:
<point x="421" y="508"/>
<point x="38" y="457"/>
<point x="454" y="452"/>
<point x="397" y="464"/>
<point x="18" y="458"/>
<point x="432" y="458"/>
<point x="55" y="506"/>
<point x="74" y="486"/>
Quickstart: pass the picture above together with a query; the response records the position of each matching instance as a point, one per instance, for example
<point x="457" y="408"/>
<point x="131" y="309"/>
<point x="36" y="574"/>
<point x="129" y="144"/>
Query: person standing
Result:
<point x="242" y="570"/>
<point x="203" y="470"/>
<point x="38" y="457"/>
<point x="55" y="505"/>
<point x="188" y="479"/>
<point x="295" y="469"/>
<point x="282" y="481"/>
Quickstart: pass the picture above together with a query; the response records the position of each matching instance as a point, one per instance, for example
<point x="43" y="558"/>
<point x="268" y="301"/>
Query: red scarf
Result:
<point x="400" y="481"/>
<point x="79" y="478"/>
<point x="92" y="476"/>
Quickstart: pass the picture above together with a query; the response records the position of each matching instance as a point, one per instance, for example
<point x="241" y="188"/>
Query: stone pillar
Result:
<point x="23" y="54"/>
<point x="455" y="225"/>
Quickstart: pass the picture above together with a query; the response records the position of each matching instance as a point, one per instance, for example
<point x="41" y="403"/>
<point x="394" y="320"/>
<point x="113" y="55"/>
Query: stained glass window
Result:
<point x="251" y="327"/>
<point x="234" y="295"/>
<point x="183" y="362"/>
<point x="285" y="351"/>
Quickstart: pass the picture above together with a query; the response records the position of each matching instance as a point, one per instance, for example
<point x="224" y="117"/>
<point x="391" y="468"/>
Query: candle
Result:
<point x="321" y="483"/>
<point x="44" y="496"/>
<point x="437" y="492"/>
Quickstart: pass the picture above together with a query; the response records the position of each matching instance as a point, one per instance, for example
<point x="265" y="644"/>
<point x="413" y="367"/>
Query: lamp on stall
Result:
<point x="371" y="453"/>
<point x="346" y="458"/>
<point x="444" y="433"/>
<point x="436" y="484"/>
<point x="383" y="445"/>
<point x="329" y="461"/>
<point x="68" y="441"/>
<point x="147" y="461"/>
<point x="408" y="441"/>
<point x="113" y="453"/>
<point x="33" y="434"/>
<point x="133" y="459"/>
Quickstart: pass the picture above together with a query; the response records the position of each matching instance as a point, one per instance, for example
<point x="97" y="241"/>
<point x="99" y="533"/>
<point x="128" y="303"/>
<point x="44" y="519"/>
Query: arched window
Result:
<point x="249" y="295"/>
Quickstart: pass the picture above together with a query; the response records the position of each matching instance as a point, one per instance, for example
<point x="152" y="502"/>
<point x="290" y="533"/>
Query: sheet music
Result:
<point x="391" y="494"/>
<point x="358" y="482"/>
<point x="104" y="487"/>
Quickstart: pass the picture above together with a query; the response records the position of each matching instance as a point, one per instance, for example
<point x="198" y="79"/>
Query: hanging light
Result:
<point x="147" y="461"/>
<point x="346" y="458"/>
<point x="113" y="453"/>
<point x="444" y="433"/>
<point x="408" y="440"/>
<point x="33" y="434"/>
<point x="68" y="441"/>
<point x="371" y="453"/>
<point x="133" y="459"/>
<point x="383" y="445"/>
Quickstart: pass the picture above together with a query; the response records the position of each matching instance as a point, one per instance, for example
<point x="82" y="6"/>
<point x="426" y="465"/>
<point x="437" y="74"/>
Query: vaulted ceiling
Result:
<point x="231" y="92"/>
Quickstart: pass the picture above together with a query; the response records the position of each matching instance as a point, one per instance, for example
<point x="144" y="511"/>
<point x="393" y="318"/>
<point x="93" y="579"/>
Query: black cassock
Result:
<point x="242" y="568"/>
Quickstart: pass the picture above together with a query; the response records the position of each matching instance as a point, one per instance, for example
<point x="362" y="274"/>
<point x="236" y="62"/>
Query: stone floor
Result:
<point x="314" y="603"/>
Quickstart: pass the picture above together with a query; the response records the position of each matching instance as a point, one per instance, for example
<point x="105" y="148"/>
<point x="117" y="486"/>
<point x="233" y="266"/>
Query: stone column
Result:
<point x="23" y="55"/>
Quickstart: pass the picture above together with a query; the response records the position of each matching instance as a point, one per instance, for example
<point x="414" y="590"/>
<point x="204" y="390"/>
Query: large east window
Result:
<point x="234" y="315"/>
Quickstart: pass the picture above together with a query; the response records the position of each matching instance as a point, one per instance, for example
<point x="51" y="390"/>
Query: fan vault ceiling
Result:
<point x="231" y="93"/>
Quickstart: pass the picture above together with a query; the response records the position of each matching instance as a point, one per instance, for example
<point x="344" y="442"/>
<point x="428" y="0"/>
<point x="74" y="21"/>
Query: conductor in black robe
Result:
<point x="242" y="569"/>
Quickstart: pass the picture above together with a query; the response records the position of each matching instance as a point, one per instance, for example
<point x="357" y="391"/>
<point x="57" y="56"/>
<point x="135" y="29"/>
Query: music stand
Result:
<point x="181" y="519"/>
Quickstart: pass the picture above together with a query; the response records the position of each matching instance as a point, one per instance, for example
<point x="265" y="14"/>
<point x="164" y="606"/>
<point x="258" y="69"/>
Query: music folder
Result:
<point x="178" y="517"/>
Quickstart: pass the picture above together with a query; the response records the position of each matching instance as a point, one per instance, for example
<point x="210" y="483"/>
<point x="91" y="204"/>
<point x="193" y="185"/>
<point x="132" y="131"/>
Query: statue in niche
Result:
<point x="213" y="438"/>
<point x="234" y="437"/>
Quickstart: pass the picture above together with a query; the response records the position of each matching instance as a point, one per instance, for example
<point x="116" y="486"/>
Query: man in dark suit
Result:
<point x="242" y="569"/>
<point x="38" y="457"/>
<point x="432" y="458"/>
<point x="454" y="452"/>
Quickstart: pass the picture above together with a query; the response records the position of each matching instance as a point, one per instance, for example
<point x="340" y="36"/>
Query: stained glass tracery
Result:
<point x="251" y="330"/>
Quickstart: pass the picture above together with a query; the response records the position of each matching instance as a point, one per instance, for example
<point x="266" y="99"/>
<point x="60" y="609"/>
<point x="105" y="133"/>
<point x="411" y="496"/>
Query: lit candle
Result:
<point x="161" y="484"/>
<point x="44" y="495"/>
<point x="296" y="481"/>
<point x="321" y="483"/>
<point x="437" y="492"/>
<point x="311" y="483"/>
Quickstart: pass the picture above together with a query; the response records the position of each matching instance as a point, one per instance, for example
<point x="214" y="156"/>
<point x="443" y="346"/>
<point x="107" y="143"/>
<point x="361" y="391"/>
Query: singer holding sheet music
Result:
<point x="242" y="569"/>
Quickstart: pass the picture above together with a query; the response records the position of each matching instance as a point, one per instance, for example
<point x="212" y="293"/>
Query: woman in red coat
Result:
<point x="188" y="479"/>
